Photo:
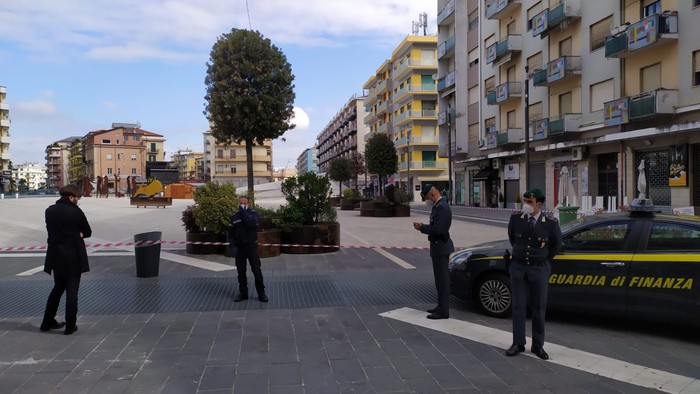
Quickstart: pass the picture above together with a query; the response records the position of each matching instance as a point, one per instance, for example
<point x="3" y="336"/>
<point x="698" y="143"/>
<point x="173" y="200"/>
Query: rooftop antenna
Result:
<point x="414" y="28"/>
<point x="423" y="22"/>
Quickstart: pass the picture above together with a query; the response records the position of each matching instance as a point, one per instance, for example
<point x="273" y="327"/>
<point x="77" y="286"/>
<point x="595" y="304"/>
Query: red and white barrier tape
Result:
<point x="142" y="243"/>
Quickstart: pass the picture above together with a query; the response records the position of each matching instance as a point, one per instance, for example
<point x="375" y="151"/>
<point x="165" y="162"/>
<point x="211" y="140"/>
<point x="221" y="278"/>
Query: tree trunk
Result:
<point x="249" y="168"/>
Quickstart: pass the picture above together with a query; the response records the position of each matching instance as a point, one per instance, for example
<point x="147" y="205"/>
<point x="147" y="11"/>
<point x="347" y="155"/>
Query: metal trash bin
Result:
<point x="567" y="214"/>
<point x="147" y="254"/>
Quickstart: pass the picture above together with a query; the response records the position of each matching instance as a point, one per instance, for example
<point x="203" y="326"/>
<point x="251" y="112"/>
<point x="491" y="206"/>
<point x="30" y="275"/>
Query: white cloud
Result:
<point x="300" y="119"/>
<point x="38" y="107"/>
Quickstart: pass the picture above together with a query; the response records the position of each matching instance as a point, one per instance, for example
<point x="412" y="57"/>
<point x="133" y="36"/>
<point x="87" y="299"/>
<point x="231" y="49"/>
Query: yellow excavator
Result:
<point x="149" y="190"/>
<point x="149" y="196"/>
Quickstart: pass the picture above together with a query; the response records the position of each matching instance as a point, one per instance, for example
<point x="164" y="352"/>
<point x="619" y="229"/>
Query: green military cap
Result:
<point x="425" y="190"/>
<point x="534" y="193"/>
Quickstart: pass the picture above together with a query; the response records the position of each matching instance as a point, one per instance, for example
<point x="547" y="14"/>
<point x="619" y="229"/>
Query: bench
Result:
<point x="152" y="201"/>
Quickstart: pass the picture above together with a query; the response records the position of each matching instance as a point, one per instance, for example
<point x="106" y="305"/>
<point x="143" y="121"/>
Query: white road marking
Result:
<point x="398" y="261"/>
<point x="622" y="371"/>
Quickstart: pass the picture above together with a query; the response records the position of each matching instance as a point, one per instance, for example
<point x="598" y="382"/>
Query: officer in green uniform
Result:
<point x="535" y="238"/>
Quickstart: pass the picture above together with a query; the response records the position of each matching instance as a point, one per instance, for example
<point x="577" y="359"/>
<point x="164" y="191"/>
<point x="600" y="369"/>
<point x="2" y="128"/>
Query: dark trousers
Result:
<point x="249" y="253"/>
<point x="442" y="283"/>
<point x="70" y="285"/>
<point x="529" y="281"/>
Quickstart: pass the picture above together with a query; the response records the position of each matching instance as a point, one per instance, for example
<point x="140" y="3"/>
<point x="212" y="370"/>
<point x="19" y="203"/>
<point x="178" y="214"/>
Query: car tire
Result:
<point x="493" y="295"/>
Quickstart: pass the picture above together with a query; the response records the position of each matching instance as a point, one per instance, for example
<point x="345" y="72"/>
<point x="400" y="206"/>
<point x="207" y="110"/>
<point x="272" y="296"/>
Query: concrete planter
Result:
<point x="269" y="236"/>
<point x="402" y="211"/>
<point x="335" y="201"/>
<point x="347" y="204"/>
<point x="312" y="234"/>
<point x="205" y="237"/>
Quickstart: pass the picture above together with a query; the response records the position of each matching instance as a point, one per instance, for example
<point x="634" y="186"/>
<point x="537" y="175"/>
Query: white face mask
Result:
<point x="243" y="206"/>
<point x="528" y="209"/>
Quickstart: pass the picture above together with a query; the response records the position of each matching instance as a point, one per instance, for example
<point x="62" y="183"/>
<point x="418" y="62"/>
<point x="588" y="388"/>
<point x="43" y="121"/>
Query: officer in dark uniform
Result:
<point x="441" y="246"/>
<point x="535" y="238"/>
<point x="243" y="238"/>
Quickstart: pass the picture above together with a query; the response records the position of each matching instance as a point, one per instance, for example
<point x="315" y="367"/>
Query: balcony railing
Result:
<point x="507" y="91"/>
<point x="557" y="70"/>
<point x="539" y="129"/>
<point x="381" y="107"/>
<point x="446" y="47"/>
<point x="652" y="30"/>
<point x="491" y="97"/>
<point x="550" y="18"/>
<point x="502" y="51"/>
<point x="4" y="122"/>
<point x="414" y="114"/>
<point x="491" y="135"/>
<point x="442" y="116"/>
<point x="564" y="124"/>
<point x="656" y="102"/>
<point x="510" y="136"/>
<point x="446" y="11"/>
<point x="539" y="77"/>
<point x="410" y="64"/>
<point x="447" y="81"/>
<point x="500" y="8"/>
<point x="382" y="128"/>
<point x="424" y="165"/>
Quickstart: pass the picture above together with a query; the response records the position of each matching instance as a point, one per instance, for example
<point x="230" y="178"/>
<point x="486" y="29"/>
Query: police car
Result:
<point x="638" y="263"/>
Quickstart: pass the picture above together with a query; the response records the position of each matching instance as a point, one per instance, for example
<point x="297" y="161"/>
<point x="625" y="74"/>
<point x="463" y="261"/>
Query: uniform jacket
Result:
<point x="66" y="254"/>
<point x="537" y="246"/>
<point x="438" y="229"/>
<point x="243" y="228"/>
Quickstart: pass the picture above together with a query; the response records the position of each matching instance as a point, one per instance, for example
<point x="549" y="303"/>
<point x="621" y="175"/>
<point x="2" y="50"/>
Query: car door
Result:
<point x="590" y="272"/>
<point x="664" y="275"/>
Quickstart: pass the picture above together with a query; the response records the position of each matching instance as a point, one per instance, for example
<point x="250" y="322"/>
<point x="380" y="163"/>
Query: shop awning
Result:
<point x="486" y="174"/>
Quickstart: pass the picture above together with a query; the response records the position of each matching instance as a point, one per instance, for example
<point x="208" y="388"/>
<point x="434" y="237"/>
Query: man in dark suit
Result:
<point x="536" y="239"/>
<point x="438" y="230"/>
<point x="66" y="257"/>
<point x="243" y="238"/>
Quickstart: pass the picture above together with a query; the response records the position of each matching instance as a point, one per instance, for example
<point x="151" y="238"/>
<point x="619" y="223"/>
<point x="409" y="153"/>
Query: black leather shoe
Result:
<point x="70" y="330"/>
<point x="53" y="326"/>
<point x="514" y="350"/>
<point x="240" y="297"/>
<point x="432" y="310"/>
<point x="539" y="352"/>
<point x="263" y="298"/>
<point x="437" y="316"/>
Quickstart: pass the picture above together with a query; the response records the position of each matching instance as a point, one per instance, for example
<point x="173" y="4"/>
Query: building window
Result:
<point x="534" y="62"/>
<point x="474" y="95"/>
<point x="565" y="47"/>
<point x="696" y="3"/>
<point x="650" y="77"/>
<point x="232" y="153"/>
<point x="219" y="153"/>
<point x="473" y="57"/>
<point x="651" y="7"/>
<point x="106" y="141"/>
<point x="153" y="147"/>
<point x="133" y="157"/>
<point x="601" y="93"/>
<point x="233" y="169"/>
<point x="511" y="119"/>
<point x="137" y="137"/>
<point x="696" y="65"/>
<point x="565" y="103"/>
<point x="473" y="20"/>
<point x="133" y="171"/>
<point x="109" y="156"/>
<point x="531" y="12"/>
<point x="598" y="32"/>
<point x="489" y="85"/>
<point x="535" y="111"/>
<point x="151" y="158"/>
<point x="109" y="170"/>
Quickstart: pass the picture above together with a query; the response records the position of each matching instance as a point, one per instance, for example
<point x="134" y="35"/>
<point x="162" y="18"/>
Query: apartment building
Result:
<point x="402" y="101"/>
<point x="186" y="163"/>
<point x="58" y="162"/>
<point x="608" y="84"/>
<point x="343" y="135"/>
<point x="5" y="173"/>
<point x="76" y="166"/>
<point x="227" y="163"/>
<point x="31" y="175"/>
<point x="307" y="161"/>
<point x="122" y="150"/>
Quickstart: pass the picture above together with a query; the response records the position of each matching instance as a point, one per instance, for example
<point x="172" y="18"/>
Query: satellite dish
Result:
<point x="435" y="77"/>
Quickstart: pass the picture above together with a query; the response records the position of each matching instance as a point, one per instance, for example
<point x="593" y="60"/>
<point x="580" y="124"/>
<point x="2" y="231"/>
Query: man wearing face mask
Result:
<point x="536" y="239"/>
<point x="438" y="231"/>
<point x="243" y="238"/>
<point x="66" y="257"/>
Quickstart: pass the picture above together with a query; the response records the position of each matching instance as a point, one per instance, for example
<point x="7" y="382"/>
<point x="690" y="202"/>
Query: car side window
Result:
<point x="601" y="237"/>
<point x="673" y="236"/>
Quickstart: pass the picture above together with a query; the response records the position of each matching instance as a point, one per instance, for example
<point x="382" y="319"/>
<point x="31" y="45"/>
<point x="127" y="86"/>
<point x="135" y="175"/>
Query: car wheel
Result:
<point x="493" y="295"/>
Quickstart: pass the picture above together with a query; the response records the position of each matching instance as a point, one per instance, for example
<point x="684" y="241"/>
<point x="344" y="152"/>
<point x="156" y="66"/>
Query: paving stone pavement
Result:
<point x="332" y="340"/>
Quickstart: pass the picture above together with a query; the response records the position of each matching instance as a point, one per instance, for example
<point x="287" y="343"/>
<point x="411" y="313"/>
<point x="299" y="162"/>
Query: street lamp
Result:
<point x="408" y="162"/>
<point x="527" y="129"/>
<point x="449" y="154"/>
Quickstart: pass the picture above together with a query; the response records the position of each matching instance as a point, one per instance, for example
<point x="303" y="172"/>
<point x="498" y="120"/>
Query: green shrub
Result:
<point x="214" y="205"/>
<point x="401" y="197"/>
<point x="351" y="194"/>
<point x="189" y="221"/>
<point x="308" y="200"/>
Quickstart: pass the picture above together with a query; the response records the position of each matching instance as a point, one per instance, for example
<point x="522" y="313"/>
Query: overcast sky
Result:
<point x="74" y="66"/>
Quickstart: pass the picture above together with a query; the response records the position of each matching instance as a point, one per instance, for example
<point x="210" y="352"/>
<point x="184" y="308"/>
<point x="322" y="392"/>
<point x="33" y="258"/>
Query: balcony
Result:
<point x="423" y="165"/>
<point x="370" y="117"/>
<point x="557" y="70"/>
<point x="411" y="65"/>
<point x="650" y="31"/>
<point x="4" y="106"/>
<point x="420" y="140"/>
<point x="507" y="91"/>
<point x="382" y="128"/>
<point x="567" y="124"/>
<point x="381" y="87"/>
<point x="503" y="51"/>
<point x="510" y="137"/>
<point x="371" y="98"/>
<point x="539" y="129"/>
<point x="413" y="115"/>
<point x="446" y="48"/>
<point x="408" y="91"/>
<point x="654" y="103"/>
<point x="381" y="108"/>
<point x="499" y="9"/>
<point x="4" y="139"/>
<point x="4" y="122"/>
<point x="5" y="155"/>
<point x="551" y="18"/>
<point x="446" y="82"/>
<point x="442" y="116"/>
<point x="262" y="158"/>
<point x="446" y="14"/>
